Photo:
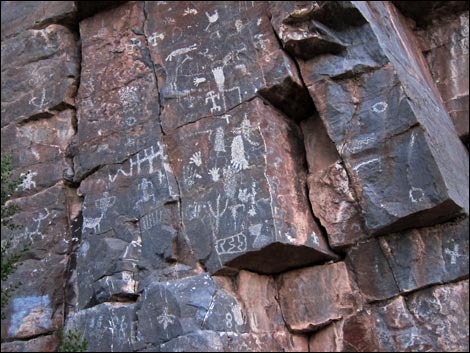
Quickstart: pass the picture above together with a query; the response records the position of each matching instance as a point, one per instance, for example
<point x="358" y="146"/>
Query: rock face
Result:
<point x="403" y="326"/>
<point x="237" y="176"/>
<point x="256" y="212"/>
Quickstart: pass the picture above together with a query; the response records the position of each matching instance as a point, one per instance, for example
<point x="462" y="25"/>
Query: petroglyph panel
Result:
<point x="236" y="199"/>
<point x="213" y="56"/>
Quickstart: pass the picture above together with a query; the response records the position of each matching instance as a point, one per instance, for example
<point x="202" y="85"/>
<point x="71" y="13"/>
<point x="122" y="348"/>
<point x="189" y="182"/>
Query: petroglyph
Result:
<point x="147" y="157"/>
<point x="212" y="19"/>
<point x="28" y="181"/>
<point x="40" y="102"/>
<point x="135" y="42"/>
<point x="181" y="51"/>
<point x="238" y="161"/>
<point x="231" y="245"/>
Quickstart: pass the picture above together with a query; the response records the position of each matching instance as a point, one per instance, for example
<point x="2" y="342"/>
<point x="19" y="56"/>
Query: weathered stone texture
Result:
<point x="37" y="306"/>
<point x="445" y="47"/>
<point x="41" y="344"/>
<point x="38" y="150"/>
<point x="39" y="72"/>
<point x="313" y="297"/>
<point x="106" y="327"/>
<point x="18" y="16"/>
<point x="118" y="116"/>
<point x="216" y="56"/>
<point x="369" y="105"/>
<point x="331" y="195"/>
<point x="186" y="197"/>
<point x="255" y="211"/>
<point x="407" y="261"/>
<point x="408" y="324"/>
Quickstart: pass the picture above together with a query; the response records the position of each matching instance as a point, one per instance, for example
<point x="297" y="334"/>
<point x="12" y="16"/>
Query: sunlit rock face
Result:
<point x="237" y="176"/>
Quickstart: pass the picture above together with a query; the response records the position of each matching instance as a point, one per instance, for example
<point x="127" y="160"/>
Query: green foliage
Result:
<point x="9" y="259"/>
<point x="8" y="187"/>
<point x="72" y="341"/>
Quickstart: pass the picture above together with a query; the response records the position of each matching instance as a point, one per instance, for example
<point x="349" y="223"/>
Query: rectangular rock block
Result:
<point x="389" y="126"/>
<point x="407" y="261"/>
<point x="212" y="57"/>
<point x="445" y="47"/>
<point x="433" y="320"/>
<point x="18" y="16"/>
<point x="241" y="208"/>
<point x="39" y="73"/>
<point x="313" y="297"/>
<point x="108" y="326"/>
<point x="117" y="116"/>
<point x="38" y="149"/>
<point x="36" y="306"/>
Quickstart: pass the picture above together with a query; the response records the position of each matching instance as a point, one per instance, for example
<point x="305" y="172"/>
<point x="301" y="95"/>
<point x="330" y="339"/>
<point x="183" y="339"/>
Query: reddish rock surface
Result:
<point x="313" y="297"/>
<point x="403" y="324"/>
<point x="359" y="108"/>
<point x="257" y="213"/>
<point x="18" y="16"/>
<point x="186" y="197"/>
<point x="411" y="260"/>
<point x="331" y="194"/>
<point x="445" y="47"/>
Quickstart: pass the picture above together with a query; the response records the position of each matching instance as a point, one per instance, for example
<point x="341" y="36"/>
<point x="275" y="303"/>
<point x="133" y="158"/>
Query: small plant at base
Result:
<point x="72" y="341"/>
<point x="9" y="260"/>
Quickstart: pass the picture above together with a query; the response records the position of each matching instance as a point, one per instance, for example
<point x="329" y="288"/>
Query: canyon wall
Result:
<point x="238" y="176"/>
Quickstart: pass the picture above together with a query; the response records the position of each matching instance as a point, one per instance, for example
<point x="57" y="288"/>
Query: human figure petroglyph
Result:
<point x="454" y="254"/>
<point x="211" y="97"/>
<point x="154" y="37"/>
<point x="28" y="181"/>
<point x="148" y="155"/>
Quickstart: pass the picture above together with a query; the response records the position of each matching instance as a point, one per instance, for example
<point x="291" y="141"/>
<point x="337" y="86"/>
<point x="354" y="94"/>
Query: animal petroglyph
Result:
<point x="181" y="51"/>
<point x="103" y="204"/>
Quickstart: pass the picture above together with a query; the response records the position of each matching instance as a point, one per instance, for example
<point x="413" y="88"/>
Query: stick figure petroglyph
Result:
<point x="218" y="213"/>
<point x="211" y="97"/>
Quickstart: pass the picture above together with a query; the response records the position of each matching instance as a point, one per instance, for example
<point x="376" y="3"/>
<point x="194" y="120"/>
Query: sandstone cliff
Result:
<point x="238" y="176"/>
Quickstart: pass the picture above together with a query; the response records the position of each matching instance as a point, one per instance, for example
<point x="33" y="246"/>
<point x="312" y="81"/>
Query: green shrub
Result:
<point x="72" y="341"/>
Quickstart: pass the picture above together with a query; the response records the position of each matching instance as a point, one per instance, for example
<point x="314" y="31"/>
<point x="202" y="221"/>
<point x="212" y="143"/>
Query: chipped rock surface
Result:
<point x="237" y="175"/>
<point x="403" y="324"/>
<point x="417" y="258"/>
<point x="313" y="297"/>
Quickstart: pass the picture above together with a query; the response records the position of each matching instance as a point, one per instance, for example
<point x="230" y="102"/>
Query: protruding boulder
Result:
<point x="254" y="212"/>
